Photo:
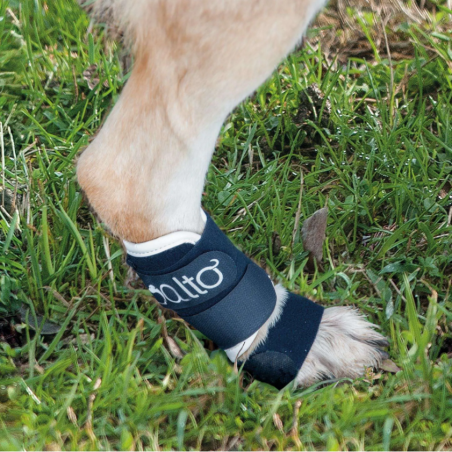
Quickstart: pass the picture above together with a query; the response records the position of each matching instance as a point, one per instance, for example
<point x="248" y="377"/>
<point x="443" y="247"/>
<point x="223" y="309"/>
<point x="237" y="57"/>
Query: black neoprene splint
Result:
<point x="225" y="295"/>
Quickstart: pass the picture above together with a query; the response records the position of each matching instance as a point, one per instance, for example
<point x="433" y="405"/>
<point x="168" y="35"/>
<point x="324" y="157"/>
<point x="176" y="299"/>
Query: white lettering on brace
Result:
<point x="214" y="268"/>
<point x="188" y="280"/>
<point x="192" y="284"/>
<point x="179" y="298"/>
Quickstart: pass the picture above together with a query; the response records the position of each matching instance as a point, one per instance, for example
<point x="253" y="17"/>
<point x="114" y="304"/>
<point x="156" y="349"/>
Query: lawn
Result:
<point x="358" y="120"/>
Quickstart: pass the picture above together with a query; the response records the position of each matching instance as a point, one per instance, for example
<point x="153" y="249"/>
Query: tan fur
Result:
<point x="195" y="60"/>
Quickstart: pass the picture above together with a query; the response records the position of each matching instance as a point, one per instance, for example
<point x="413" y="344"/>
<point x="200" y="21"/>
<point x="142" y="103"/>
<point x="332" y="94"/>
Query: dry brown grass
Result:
<point x="339" y="28"/>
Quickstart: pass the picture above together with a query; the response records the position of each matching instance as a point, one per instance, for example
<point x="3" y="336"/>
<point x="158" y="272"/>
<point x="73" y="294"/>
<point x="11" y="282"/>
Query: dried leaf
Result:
<point x="83" y="338"/>
<point x="97" y="384"/>
<point x="389" y="366"/>
<point x="170" y="342"/>
<point x="40" y="322"/>
<point x="89" y="411"/>
<point x="234" y="441"/>
<point x="276" y="243"/>
<point x="174" y="348"/>
<point x="39" y="369"/>
<point x="58" y="296"/>
<point x="313" y="233"/>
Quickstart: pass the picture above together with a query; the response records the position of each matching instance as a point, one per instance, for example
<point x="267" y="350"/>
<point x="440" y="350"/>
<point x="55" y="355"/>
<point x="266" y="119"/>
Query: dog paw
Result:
<point x="345" y="345"/>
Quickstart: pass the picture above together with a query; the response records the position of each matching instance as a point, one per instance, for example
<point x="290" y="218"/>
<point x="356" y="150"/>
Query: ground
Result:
<point x="357" y="120"/>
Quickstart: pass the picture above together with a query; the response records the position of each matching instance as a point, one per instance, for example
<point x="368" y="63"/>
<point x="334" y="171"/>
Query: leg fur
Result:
<point x="195" y="60"/>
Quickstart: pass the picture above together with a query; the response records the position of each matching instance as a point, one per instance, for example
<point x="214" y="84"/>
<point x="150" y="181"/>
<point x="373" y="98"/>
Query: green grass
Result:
<point x="377" y="150"/>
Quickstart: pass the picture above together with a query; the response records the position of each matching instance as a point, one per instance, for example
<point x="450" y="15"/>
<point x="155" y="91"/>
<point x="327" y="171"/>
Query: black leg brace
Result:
<point x="226" y="296"/>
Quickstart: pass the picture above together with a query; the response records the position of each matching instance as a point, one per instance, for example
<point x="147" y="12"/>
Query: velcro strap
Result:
<point x="238" y="315"/>
<point x="278" y="359"/>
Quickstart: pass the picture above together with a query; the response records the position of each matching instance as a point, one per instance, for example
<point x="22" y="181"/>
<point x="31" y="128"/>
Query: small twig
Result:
<point x="397" y="289"/>
<point x="6" y="212"/>
<point x="366" y="99"/>
<point x="374" y="284"/>
<point x="89" y="416"/>
<point x="29" y="147"/>
<point x="94" y="291"/>
<point x="294" y="429"/>
<point x="16" y="187"/>
<point x="297" y="215"/>
<point x="30" y="392"/>
<point x="2" y="145"/>
<point x="75" y="83"/>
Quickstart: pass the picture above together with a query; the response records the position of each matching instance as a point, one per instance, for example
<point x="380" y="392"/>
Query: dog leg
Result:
<point x="144" y="173"/>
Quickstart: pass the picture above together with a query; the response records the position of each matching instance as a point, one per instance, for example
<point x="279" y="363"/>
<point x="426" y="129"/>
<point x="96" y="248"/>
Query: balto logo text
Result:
<point x="187" y="286"/>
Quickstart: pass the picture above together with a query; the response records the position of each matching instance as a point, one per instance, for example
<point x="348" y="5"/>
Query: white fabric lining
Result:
<point x="164" y="243"/>
<point x="161" y="244"/>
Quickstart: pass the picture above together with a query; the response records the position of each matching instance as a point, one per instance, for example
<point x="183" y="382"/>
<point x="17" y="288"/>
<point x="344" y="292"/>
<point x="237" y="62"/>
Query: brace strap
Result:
<point x="212" y="285"/>
<point x="279" y="358"/>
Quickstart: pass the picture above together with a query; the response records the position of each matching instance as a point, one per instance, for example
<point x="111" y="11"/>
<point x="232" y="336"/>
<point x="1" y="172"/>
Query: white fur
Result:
<point x="242" y="347"/>
<point x="345" y="345"/>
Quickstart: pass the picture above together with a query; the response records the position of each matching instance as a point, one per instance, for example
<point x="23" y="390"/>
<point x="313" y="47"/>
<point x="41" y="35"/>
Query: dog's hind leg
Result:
<point x="144" y="173"/>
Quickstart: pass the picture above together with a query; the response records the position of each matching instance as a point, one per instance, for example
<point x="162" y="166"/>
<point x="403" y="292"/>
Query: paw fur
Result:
<point x="345" y="345"/>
